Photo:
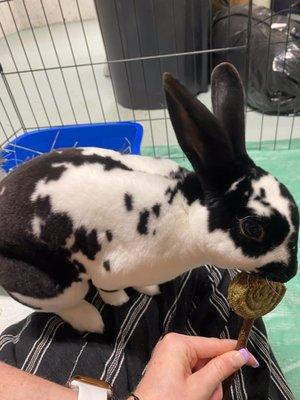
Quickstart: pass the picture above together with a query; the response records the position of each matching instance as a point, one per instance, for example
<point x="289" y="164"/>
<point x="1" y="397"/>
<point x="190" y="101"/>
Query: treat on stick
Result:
<point x="251" y="297"/>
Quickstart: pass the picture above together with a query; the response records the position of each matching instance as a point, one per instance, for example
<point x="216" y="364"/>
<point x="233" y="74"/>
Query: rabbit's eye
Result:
<point x="252" y="229"/>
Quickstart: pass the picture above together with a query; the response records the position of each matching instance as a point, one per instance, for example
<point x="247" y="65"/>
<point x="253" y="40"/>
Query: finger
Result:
<point x="190" y="348"/>
<point x="209" y="347"/>
<point x="218" y="369"/>
<point x="203" y="346"/>
<point x="218" y="393"/>
<point x="203" y="361"/>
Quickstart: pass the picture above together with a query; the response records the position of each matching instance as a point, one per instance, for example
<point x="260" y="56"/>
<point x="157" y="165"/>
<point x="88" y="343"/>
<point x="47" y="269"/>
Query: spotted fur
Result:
<point x="77" y="216"/>
<point x="128" y="200"/>
<point x="156" y="209"/>
<point x="109" y="235"/>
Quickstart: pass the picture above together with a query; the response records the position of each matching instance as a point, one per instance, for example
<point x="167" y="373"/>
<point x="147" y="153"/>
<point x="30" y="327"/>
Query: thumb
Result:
<point x="217" y="370"/>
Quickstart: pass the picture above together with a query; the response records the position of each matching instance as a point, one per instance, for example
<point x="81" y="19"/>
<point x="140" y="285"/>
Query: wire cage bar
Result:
<point x="55" y="71"/>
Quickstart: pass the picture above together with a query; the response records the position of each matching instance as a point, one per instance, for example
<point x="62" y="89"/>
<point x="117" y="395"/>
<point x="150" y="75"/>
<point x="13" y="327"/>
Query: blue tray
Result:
<point x="125" y="137"/>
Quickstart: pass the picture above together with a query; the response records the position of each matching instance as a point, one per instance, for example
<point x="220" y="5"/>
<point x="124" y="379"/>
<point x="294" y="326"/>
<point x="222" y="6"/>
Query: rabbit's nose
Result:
<point x="278" y="272"/>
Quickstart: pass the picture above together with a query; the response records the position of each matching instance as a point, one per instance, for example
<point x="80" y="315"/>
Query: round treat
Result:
<point x="251" y="296"/>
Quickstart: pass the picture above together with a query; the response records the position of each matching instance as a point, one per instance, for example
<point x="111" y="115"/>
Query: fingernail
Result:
<point x="245" y="354"/>
<point x="256" y="365"/>
<point x="241" y="358"/>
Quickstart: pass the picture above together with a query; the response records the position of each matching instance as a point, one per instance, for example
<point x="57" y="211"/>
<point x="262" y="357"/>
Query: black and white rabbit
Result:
<point x="123" y="220"/>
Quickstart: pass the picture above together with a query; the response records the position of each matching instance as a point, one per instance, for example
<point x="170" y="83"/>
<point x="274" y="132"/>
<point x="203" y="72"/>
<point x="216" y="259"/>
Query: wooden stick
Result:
<point x="241" y="343"/>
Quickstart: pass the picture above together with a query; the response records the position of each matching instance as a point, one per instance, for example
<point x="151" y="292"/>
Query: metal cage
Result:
<point x="57" y="69"/>
<point x="54" y="71"/>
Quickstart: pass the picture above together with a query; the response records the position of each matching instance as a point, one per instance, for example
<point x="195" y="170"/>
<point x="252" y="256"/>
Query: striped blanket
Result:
<point x="193" y="304"/>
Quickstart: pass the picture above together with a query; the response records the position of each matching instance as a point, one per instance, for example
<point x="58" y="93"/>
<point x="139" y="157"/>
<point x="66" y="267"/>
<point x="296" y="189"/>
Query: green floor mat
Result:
<point x="283" y="324"/>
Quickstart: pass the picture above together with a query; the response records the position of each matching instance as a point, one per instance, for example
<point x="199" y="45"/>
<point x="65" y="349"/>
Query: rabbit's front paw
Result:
<point x="115" y="298"/>
<point x="150" y="290"/>
<point x="84" y="317"/>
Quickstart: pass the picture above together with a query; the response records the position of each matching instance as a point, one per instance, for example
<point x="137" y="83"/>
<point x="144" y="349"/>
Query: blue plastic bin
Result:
<point x="125" y="137"/>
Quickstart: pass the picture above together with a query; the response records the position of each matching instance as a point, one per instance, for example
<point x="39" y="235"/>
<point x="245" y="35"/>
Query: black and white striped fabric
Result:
<point x="193" y="304"/>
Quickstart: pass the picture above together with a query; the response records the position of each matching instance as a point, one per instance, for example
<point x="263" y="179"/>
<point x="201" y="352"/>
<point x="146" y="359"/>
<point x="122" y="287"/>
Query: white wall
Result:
<point x="35" y="11"/>
<point x="264" y="3"/>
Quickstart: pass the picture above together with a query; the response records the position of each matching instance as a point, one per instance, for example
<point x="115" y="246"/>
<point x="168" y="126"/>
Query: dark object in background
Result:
<point x="274" y="59"/>
<point x="285" y="6"/>
<point x="137" y="28"/>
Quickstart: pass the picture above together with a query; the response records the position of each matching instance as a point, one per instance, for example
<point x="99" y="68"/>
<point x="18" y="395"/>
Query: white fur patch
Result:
<point x="2" y="190"/>
<point x="235" y="185"/>
<point x="61" y="164"/>
<point x="36" y="225"/>
<point x="70" y="241"/>
<point x="273" y="196"/>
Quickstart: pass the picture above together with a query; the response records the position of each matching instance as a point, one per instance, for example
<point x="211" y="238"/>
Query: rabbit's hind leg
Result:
<point x="83" y="317"/>
<point x="70" y="306"/>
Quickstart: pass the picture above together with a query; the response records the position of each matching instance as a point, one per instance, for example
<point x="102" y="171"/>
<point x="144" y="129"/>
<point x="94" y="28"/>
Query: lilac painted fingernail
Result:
<point x="256" y="365"/>
<point x="245" y="354"/>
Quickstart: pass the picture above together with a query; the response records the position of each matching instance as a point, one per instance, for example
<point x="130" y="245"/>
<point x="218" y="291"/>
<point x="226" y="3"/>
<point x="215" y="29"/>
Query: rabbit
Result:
<point x="75" y="216"/>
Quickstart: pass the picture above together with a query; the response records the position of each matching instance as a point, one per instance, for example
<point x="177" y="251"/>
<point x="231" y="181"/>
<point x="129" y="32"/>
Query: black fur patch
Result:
<point x="42" y="207"/>
<point x="154" y="232"/>
<point x="142" y="226"/>
<point x="179" y="174"/>
<point x="128" y="200"/>
<point x="55" y="173"/>
<point x="171" y="193"/>
<point x="87" y="243"/>
<point x="35" y="270"/>
<point x="262" y="193"/>
<point x="191" y="188"/>
<point x="106" y="265"/>
<point x="109" y="164"/>
<point x="77" y="158"/>
<point x="261" y="197"/>
<point x="156" y="209"/>
<point x="109" y="235"/>
<point x="79" y="266"/>
<point x="265" y="203"/>
<point x="56" y="229"/>
<point x="278" y="271"/>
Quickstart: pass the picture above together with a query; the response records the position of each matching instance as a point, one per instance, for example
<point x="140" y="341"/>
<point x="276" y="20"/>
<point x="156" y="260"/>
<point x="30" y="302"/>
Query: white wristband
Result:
<point x="88" y="392"/>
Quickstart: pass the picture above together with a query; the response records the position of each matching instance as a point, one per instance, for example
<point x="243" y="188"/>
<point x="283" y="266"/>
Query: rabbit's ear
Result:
<point x="228" y="104"/>
<point x="198" y="132"/>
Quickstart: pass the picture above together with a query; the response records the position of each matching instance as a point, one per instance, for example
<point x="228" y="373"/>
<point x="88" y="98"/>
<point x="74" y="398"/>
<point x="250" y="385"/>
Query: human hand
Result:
<point x="191" y="368"/>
